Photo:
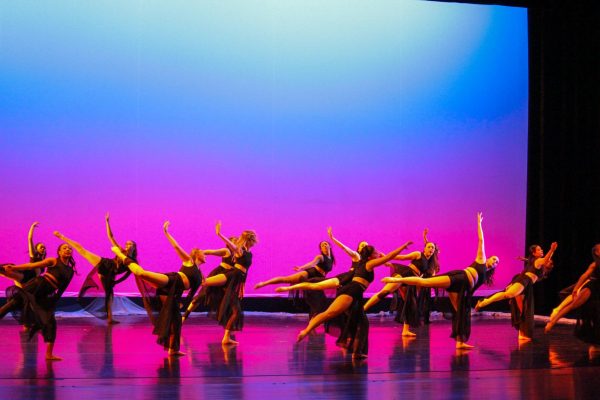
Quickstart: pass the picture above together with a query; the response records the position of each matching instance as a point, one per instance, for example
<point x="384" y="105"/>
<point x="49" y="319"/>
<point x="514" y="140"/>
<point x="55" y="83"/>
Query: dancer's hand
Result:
<point x="330" y="233"/>
<point x="479" y="217"/>
<point x="218" y="228"/>
<point x="553" y="246"/>
<point x="166" y="226"/>
<point x="107" y="217"/>
<point x="58" y="234"/>
<point x="34" y="225"/>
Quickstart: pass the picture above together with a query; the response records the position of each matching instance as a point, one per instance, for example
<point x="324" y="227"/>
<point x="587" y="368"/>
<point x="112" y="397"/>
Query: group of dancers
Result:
<point x="40" y="283"/>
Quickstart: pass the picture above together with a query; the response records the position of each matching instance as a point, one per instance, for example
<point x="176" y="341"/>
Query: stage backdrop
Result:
<point x="376" y="118"/>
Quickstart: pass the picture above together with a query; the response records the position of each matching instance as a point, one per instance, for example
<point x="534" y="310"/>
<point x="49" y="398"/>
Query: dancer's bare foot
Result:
<point x="407" y="333"/>
<point x="113" y="322"/>
<point x="359" y="356"/>
<point x="548" y="327"/>
<point x="464" y="346"/>
<point x="283" y="289"/>
<point x="52" y="357"/>
<point x="259" y="285"/>
<point x="228" y="342"/>
<point x="301" y="336"/>
<point x="173" y="353"/>
<point x="480" y="304"/>
<point x="523" y="338"/>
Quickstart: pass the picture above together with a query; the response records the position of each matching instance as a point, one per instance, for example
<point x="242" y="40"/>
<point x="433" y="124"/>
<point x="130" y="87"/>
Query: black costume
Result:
<point x="523" y="320"/>
<point x="588" y="322"/>
<point x="104" y="275"/>
<point x="416" y="302"/>
<point x="34" y="304"/>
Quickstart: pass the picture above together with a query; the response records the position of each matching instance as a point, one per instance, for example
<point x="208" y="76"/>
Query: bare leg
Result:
<point x="512" y="291"/>
<point x="339" y="305"/>
<point x="295" y="278"/>
<point x="382" y="294"/>
<point x="217" y="280"/>
<point x="580" y="300"/>
<point x="88" y="255"/>
<point x="50" y="353"/>
<point x="323" y="285"/>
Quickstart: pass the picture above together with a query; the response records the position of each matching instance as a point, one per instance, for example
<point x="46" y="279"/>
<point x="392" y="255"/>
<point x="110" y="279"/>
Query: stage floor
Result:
<point x="123" y="361"/>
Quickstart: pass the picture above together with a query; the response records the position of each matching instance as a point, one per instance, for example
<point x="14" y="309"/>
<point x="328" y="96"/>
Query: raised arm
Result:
<point x="546" y="259"/>
<point x="389" y="256"/>
<point x="480" y="259"/>
<point x="353" y="254"/>
<point x="425" y="232"/>
<point x="232" y="247"/>
<point x="30" y="239"/>
<point x="185" y="257"/>
<point x="309" y="264"/>
<point x="110" y="235"/>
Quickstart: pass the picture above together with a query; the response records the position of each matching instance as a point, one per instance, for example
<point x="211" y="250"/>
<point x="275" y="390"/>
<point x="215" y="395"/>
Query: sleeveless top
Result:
<point x="481" y="274"/>
<point x="194" y="276"/>
<point x="245" y="260"/>
<point x="228" y="259"/>
<point x="327" y="263"/>
<point x="360" y="271"/>
<point x="62" y="273"/>
<point x="423" y="264"/>
<point x="530" y="267"/>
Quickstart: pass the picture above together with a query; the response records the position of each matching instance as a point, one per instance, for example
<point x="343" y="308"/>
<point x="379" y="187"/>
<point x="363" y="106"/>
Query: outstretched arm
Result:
<point x="110" y="235"/>
<point x="185" y="257"/>
<point x="353" y="254"/>
<point x="480" y="259"/>
<point x="309" y="264"/>
<point x="410" y="256"/>
<point x="224" y="252"/>
<point x="389" y="256"/>
<point x="425" y="232"/>
<point x="547" y="258"/>
<point x="47" y="263"/>
<point x="32" y="249"/>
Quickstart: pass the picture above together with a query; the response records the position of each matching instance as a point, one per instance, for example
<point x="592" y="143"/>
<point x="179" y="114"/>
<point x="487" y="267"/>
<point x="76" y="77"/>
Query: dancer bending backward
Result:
<point x="586" y="292"/>
<point x="421" y="262"/>
<point x="37" y="253"/>
<point x="319" y="267"/>
<point x="105" y="269"/>
<point x="350" y="298"/>
<point x="228" y="312"/>
<point x="169" y="288"/>
<point x="460" y="285"/>
<point x="34" y="304"/>
<point x="520" y="290"/>
<point x="338" y="280"/>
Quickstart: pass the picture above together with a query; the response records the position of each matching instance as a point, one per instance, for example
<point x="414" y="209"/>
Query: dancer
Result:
<point x="211" y="296"/>
<point x="319" y="267"/>
<point x="520" y="290"/>
<point x="228" y="312"/>
<point x="586" y="288"/>
<point x="169" y="289"/>
<point x="350" y="298"/>
<point x="460" y="285"/>
<point x="34" y="304"/>
<point x="421" y="263"/>
<point x="105" y="269"/>
<point x="37" y="253"/>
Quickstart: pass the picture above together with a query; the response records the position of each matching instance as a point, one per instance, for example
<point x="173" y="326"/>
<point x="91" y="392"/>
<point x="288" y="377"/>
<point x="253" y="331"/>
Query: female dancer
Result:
<point x="319" y="267"/>
<point x="229" y="313"/>
<point x="586" y="288"/>
<point x="350" y="298"/>
<point x="421" y="263"/>
<point x="35" y="302"/>
<point x="106" y="269"/>
<point x="37" y="253"/>
<point x="520" y="290"/>
<point x="211" y="296"/>
<point x="169" y="289"/>
<point x="460" y="285"/>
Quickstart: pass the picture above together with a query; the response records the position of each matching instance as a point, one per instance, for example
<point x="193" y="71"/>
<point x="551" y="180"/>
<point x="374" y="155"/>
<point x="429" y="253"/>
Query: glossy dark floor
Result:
<point x="123" y="361"/>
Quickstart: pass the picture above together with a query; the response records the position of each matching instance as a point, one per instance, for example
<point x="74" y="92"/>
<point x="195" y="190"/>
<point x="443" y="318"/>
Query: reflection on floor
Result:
<point x="123" y="361"/>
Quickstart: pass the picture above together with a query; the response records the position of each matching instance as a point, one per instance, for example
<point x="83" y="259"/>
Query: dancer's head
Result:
<point x="65" y="253"/>
<point x="431" y="251"/>
<point x="40" y="249"/>
<point x="197" y="256"/>
<point x="596" y="254"/>
<point x="535" y="251"/>
<point x="131" y="249"/>
<point x="361" y="245"/>
<point x="325" y="249"/>
<point x="491" y="264"/>
<point x="368" y="252"/>
<point x="247" y="239"/>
